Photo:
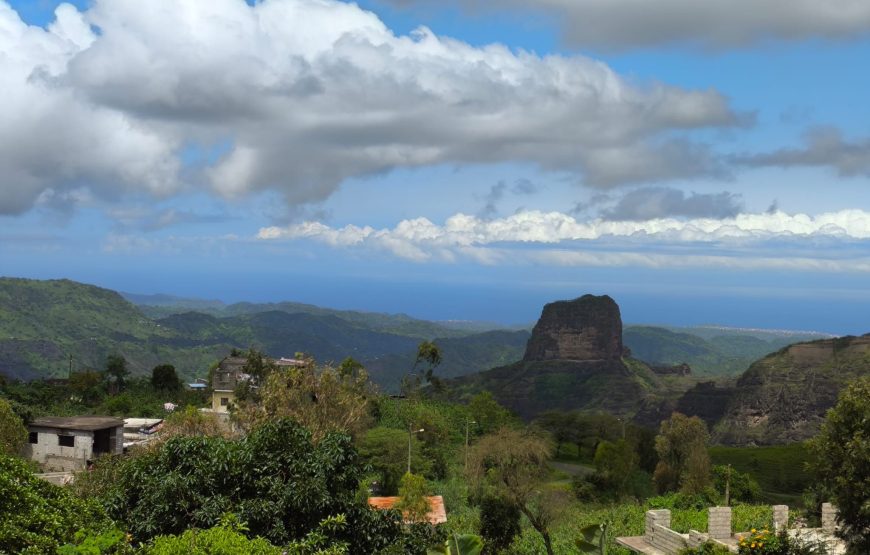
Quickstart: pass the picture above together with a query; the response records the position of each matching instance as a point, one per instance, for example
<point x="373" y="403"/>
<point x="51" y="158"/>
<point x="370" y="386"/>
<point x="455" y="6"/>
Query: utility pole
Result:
<point x="728" y="486"/>
<point x="467" y="424"/>
<point x="69" y="373"/>
<point x="411" y="432"/>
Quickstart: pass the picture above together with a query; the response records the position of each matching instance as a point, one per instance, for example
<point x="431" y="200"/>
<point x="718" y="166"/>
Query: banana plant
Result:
<point x="594" y="540"/>
<point x="460" y="544"/>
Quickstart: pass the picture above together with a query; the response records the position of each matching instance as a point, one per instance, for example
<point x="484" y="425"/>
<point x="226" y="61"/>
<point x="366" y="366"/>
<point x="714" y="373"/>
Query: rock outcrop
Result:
<point x="783" y="397"/>
<point x="585" y="329"/>
<point x="574" y="360"/>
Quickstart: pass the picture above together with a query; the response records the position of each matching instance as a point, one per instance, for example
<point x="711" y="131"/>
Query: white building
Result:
<point x="68" y="443"/>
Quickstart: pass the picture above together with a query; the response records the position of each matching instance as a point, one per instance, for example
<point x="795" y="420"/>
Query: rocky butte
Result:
<point x="585" y="329"/>
<point x="574" y="360"/>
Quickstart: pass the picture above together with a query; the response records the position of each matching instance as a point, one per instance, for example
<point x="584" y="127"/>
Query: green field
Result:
<point x="780" y="470"/>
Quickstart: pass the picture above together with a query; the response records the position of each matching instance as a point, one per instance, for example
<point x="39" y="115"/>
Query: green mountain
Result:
<point x="708" y="351"/>
<point x="48" y="327"/>
<point x="162" y="306"/>
<point x="783" y="397"/>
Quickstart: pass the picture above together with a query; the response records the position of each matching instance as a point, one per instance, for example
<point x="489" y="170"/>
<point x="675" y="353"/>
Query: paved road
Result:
<point x="572" y="469"/>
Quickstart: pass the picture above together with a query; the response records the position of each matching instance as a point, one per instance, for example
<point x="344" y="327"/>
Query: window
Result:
<point x="33" y="437"/>
<point x="225" y="401"/>
<point x="66" y="441"/>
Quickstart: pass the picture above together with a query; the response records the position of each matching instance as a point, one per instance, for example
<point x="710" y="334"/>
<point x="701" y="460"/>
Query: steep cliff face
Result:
<point x="573" y="361"/>
<point x="784" y="396"/>
<point x="585" y="329"/>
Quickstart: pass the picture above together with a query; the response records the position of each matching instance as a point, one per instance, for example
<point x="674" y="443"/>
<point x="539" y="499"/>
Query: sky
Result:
<point x="702" y="163"/>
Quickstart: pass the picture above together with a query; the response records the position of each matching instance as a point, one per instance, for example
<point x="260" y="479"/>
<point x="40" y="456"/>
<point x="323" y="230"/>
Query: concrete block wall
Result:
<point x="668" y="541"/>
<point x="55" y="457"/>
<point x="655" y="517"/>
<point x="780" y="518"/>
<point x="829" y="517"/>
<point x="719" y="523"/>
<point x="697" y="539"/>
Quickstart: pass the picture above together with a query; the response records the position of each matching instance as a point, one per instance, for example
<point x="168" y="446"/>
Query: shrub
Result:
<point x="37" y="517"/>
<point x="499" y="524"/>
<point x="275" y="479"/>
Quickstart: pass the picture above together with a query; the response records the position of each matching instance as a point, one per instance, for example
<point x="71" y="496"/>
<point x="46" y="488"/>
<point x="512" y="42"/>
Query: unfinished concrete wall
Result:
<point x="719" y="523"/>
<point x="53" y="456"/>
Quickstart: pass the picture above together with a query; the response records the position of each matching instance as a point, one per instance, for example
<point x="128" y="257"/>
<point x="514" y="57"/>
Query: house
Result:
<point x="230" y="372"/>
<point x="437" y="513"/>
<point x="69" y="443"/>
<point x="226" y="377"/>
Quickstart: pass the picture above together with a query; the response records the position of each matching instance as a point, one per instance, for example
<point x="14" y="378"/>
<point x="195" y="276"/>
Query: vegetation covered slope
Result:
<point x="783" y="397"/>
<point x="708" y="351"/>
<point x="43" y="323"/>
<point x="530" y="388"/>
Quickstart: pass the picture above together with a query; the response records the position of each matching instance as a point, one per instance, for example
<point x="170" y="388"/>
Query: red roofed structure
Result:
<point x="437" y="513"/>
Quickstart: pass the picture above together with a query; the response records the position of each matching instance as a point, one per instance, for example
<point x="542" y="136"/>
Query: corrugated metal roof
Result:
<point x="437" y="512"/>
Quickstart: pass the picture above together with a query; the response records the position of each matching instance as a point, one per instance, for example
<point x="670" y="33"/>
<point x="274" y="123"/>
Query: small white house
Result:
<point x="64" y="444"/>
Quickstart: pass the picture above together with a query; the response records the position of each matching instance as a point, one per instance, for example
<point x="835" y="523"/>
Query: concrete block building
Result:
<point x="65" y="444"/>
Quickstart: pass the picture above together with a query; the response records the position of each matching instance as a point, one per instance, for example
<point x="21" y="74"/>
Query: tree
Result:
<point x="321" y="399"/>
<point x="412" y="498"/>
<point x="87" y="385"/>
<point x="116" y="372"/>
<point x="13" y="434"/>
<point x="841" y="451"/>
<point x="350" y="367"/>
<point x="276" y="479"/>
<point x="614" y="463"/>
<point x="499" y="524"/>
<point x="683" y="459"/>
<point x="513" y="465"/>
<point x="429" y="354"/>
<point x="561" y="425"/>
<point x="488" y="413"/>
<point x="164" y="378"/>
<point x="386" y="450"/>
<point x="38" y="517"/>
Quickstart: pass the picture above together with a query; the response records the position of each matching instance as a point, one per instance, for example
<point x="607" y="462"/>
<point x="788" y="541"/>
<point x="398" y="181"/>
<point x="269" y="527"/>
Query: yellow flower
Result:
<point x="761" y="545"/>
<point x="753" y="545"/>
<point x="753" y="530"/>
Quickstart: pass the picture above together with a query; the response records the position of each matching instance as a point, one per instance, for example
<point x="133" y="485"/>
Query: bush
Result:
<point x="499" y="524"/>
<point x="743" y="487"/>
<point x="37" y="517"/>
<point x="274" y="479"/>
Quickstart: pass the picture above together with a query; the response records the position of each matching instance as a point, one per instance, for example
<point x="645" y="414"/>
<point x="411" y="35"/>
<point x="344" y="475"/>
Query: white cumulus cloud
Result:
<point x="297" y="95"/>
<point x="745" y="240"/>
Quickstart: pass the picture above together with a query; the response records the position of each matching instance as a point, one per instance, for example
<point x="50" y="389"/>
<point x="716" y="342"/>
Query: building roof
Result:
<point x="86" y="423"/>
<point x="437" y="513"/>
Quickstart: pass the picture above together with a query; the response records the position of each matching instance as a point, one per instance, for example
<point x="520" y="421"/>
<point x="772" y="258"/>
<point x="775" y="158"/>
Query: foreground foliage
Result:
<point x="275" y="479"/>
<point x="842" y="452"/>
<point x="37" y="517"/>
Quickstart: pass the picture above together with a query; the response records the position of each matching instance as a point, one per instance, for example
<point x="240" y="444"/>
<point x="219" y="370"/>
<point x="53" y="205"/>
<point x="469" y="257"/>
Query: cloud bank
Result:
<point x="295" y="96"/>
<point x="746" y="240"/>
<point x="626" y="24"/>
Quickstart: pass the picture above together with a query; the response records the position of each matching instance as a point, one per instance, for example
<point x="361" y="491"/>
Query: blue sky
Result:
<point x="448" y="160"/>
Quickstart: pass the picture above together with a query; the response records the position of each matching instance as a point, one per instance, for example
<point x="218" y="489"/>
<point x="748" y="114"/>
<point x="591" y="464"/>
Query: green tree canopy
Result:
<point x="117" y="372"/>
<point x="684" y="462"/>
<point x="413" y="503"/>
<point x="276" y="479"/>
<point x="12" y="430"/>
<point x="37" y="517"/>
<point x="164" y="378"/>
<point x="842" y="452"/>
<point x="512" y="464"/>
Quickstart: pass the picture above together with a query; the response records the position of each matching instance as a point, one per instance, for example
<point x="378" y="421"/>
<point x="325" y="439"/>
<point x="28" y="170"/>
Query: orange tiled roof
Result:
<point x="437" y="512"/>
